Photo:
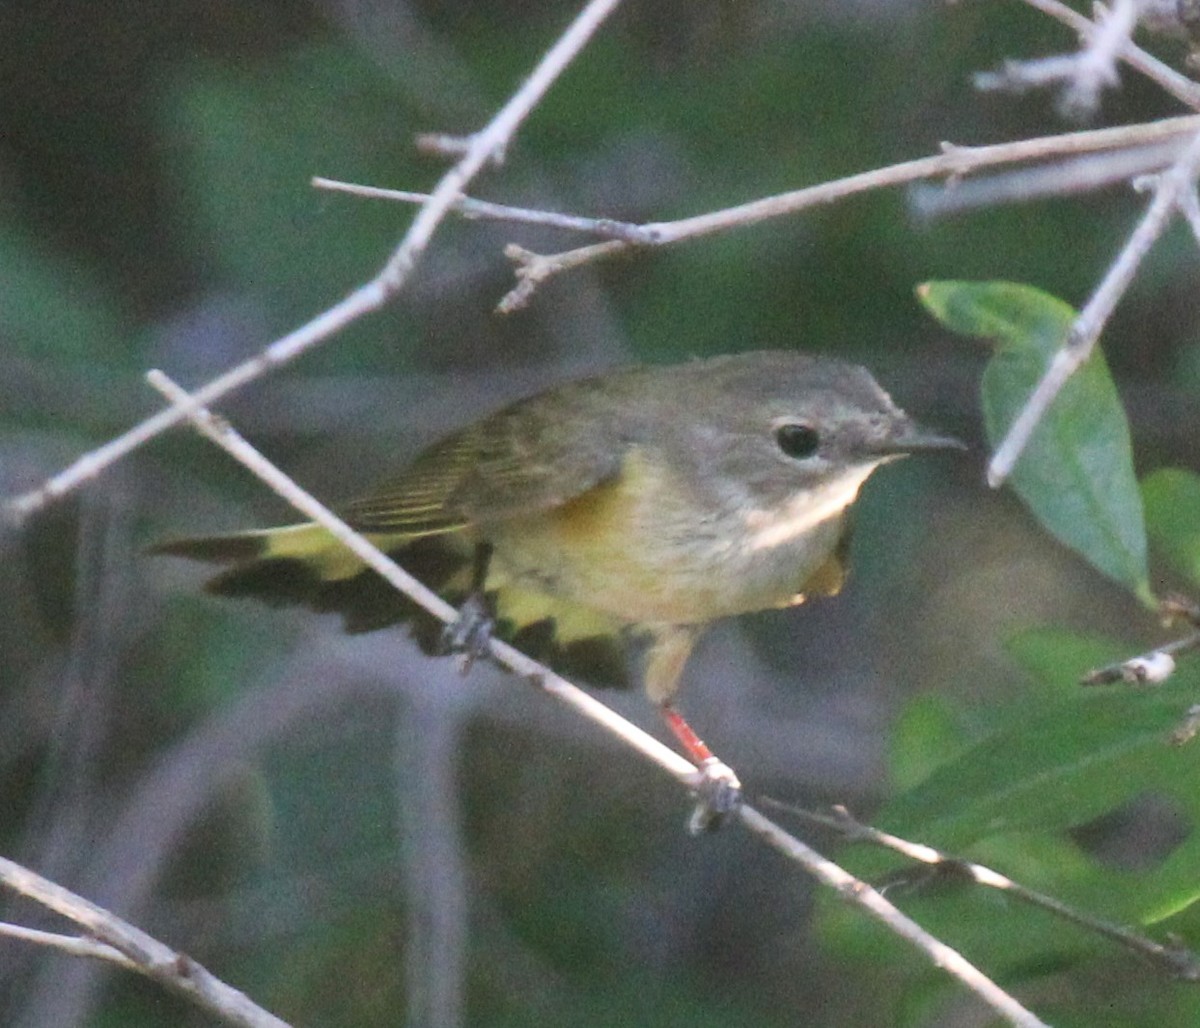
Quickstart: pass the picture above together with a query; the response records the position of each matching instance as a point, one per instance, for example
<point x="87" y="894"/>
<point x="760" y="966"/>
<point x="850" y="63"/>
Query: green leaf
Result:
<point x="926" y="734"/>
<point x="1172" y="501"/>
<point x="1057" y="770"/>
<point x="1057" y="659"/>
<point x="1076" y="475"/>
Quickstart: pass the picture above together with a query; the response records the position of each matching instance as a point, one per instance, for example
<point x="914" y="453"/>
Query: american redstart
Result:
<point x="649" y="501"/>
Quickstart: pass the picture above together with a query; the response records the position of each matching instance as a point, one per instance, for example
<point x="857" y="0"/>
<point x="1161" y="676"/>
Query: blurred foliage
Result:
<point x="1172" y="499"/>
<point x="249" y="145"/>
<point x="155" y="211"/>
<point x="1075" y="793"/>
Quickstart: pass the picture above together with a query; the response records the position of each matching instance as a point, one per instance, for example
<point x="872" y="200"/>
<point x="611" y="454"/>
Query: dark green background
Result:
<point x="343" y="828"/>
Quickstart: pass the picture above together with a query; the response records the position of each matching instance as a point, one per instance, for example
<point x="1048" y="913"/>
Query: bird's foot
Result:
<point x="718" y="791"/>
<point x="718" y="794"/>
<point x="470" y="634"/>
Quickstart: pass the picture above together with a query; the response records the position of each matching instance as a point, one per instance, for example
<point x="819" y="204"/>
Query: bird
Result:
<point x="637" y="505"/>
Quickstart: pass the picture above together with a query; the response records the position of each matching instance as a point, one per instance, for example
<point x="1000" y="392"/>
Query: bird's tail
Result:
<point x="303" y="565"/>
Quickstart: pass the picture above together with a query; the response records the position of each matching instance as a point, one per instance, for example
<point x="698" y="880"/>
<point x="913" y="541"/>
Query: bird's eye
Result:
<point x="797" y="440"/>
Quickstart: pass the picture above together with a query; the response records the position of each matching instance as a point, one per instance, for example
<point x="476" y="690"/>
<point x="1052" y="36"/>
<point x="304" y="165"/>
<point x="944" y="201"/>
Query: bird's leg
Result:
<point x="470" y="633"/>
<point x="692" y="744"/>
<point x="718" y="790"/>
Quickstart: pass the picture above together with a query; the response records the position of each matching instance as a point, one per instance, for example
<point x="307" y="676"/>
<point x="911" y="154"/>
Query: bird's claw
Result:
<point x="718" y="794"/>
<point x="470" y="634"/>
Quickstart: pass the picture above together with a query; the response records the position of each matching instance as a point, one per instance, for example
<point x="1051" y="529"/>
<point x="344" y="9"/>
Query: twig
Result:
<point x="1156" y="666"/>
<point x="483" y="148"/>
<point x="1151" y="668"/>
<point x="487" y="211"/>
<point x="954" y="162"/>
<point x="137" y="950"/>
<point x="1177" y="960"/>
<point x="1169" y="191"/>
<point x="862" y="895"/>
<point x="1082" y="174"/>
<point x="1086" y="72"/>
<point x="850" y="888"/>
<point x="1179" y="86"/>
<point x="73" y="945"/>
<point x="532" y="269"/>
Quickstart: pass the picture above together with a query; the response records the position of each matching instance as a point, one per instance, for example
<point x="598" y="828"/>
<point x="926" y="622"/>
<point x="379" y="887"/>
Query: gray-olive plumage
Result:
<point x="652" y="499"/>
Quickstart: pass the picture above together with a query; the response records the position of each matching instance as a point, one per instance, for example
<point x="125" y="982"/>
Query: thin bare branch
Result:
<point x="1179" y="86"/>
<point x="72" y="945"/>
<point x="487" y="211"/>
<point x="954" y="162"/>
<point x="1175" y="960"/>
<point x="144" y="954"/>
<point x="1172" y="186"/>
<point x="1155" y="666"/>
<point x="1067" y="177"/>
<point x="484" y="147"/>
<point x="862" y="895"/>
<point x="1151" y="668"/>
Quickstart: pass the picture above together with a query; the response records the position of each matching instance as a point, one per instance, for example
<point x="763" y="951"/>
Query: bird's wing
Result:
<point x="531" y="457"/>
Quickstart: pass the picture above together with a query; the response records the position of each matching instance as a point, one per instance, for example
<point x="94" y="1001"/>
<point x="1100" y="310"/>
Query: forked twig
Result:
<point x="1177" y="960"/>
<point x="109" y="938"/>
<point x="1179" y="86"/>
<point x="1169" y="192"/>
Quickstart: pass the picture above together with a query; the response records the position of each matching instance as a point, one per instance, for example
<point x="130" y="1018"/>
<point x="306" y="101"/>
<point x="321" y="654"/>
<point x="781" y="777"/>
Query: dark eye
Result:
<point x="797" y="441"/>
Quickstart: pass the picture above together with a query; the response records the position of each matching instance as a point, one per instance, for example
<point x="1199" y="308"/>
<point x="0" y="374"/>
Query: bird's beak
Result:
<point x="912" y="438"/>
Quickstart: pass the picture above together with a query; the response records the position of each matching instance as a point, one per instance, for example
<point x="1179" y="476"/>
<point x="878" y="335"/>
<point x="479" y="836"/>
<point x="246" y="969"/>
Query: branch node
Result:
<point x="531" y="270"/>
<point x="1145" y="183"/>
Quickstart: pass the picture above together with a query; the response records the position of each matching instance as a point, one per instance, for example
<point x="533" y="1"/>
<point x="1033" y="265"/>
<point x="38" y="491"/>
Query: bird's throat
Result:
<point x="801" y="514"/>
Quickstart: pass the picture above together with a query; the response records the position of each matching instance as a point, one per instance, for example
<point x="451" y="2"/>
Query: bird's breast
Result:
<point x="643" y="549"/>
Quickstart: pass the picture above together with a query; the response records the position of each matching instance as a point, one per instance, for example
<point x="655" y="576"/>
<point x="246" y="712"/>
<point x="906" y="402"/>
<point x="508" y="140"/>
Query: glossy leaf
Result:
<point x="1076" y="475"/>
